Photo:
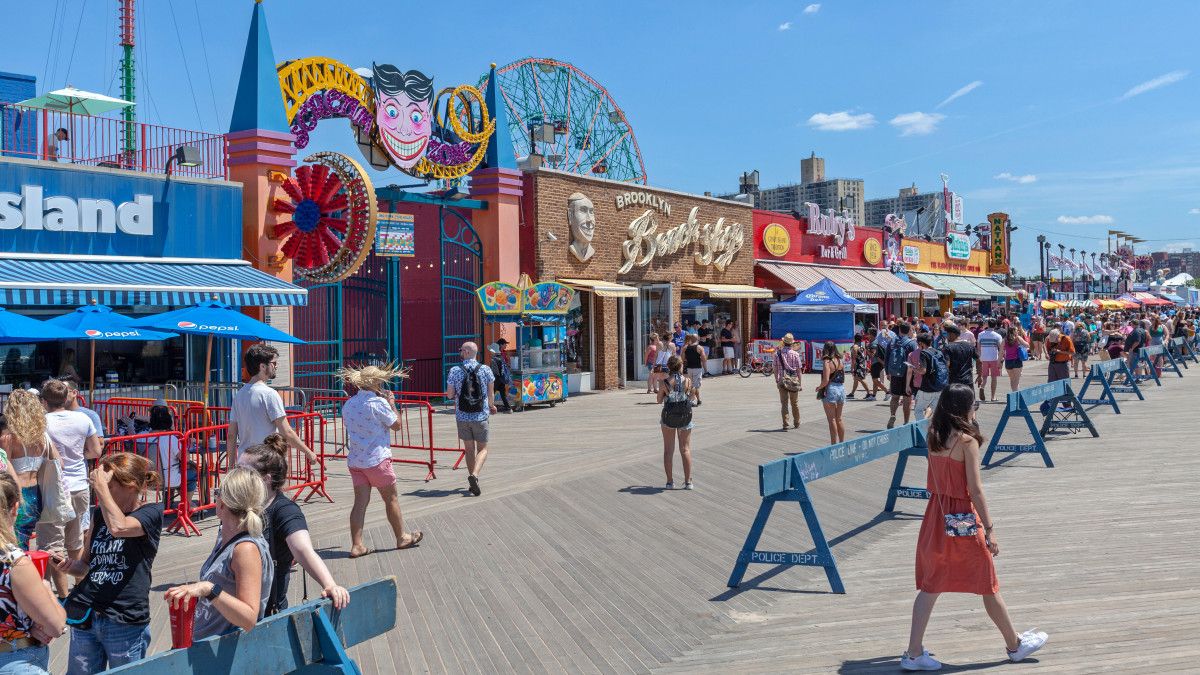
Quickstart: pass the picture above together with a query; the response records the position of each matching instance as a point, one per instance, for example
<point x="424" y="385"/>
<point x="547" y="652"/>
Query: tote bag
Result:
<point x="56" y="498"/>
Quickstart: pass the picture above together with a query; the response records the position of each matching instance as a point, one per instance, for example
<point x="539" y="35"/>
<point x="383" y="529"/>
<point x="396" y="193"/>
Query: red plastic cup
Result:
<point x="40" y="560"/>
<point x="182" y="619"/>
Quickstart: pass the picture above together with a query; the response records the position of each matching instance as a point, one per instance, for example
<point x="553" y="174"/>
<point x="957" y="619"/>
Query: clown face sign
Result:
<point x="402" y="116"/>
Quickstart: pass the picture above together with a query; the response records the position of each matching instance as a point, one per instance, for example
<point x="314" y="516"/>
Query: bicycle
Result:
<point x="756" y="364"/>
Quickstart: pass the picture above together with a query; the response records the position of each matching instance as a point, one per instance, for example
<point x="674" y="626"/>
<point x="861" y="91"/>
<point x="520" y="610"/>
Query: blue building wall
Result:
<point x="18" y="131"/>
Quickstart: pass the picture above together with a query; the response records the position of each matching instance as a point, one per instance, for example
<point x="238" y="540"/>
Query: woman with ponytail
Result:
<point x="109" y="610"/>
<point x="285" y="528"/>
<point x="30" y="615"/>
<point x="236" y="578"/>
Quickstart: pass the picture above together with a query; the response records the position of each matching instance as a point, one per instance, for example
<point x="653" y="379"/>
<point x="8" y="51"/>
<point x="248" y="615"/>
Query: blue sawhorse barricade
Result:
<point x="1105" y="374"/>
<point x="1023" y="402"/>
<point x="1145" y="358"/>
<point x="785" y="480"/>
<point x="305" y="638"/>
<point x="1182" y="351"/>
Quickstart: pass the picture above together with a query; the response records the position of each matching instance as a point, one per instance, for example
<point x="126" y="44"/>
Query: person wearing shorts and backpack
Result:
<point x="896" y="359"/>
<point x="934" y="372"/>
<point x="676" y="394"/>
<point x="472" y="388"/>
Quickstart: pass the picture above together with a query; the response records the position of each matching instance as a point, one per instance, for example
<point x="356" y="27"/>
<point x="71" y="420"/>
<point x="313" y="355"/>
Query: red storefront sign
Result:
<point x="781" y="237"/>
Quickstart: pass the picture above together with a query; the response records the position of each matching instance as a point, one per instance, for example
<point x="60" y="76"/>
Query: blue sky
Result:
<point x="1073" y="117"/>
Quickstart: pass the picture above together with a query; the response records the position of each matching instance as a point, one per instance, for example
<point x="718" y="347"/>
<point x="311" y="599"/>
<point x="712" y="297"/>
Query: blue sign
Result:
<point x="76" y="210"/>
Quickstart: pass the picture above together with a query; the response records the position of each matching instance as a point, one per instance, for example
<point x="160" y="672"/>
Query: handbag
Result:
<point x="958" y="524"/>
<point x="79" y="615"/>
<point x="1023" y="353"/>
<point x="789" y="379"/>
<point x="56" y="498"/>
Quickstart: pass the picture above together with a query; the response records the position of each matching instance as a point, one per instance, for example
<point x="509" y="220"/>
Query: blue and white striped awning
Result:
<point x="56" y="280"/>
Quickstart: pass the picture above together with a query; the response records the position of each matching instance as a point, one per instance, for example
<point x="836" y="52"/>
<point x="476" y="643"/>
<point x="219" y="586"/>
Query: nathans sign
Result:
<point x="999" y="239"/>
<point x="588" y="228"/>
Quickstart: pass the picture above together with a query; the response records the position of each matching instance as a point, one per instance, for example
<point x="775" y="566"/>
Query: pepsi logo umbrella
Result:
<point x="99" y="322"/>
<point x="17" y="329"/>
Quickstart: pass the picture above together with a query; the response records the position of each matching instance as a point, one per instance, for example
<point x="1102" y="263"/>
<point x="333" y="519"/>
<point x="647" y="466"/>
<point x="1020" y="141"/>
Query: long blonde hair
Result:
<point x="26" y="419"/>
<point x="243" y="493"/>
<point x="371" y="378"/>
<point x="10" y="494"/>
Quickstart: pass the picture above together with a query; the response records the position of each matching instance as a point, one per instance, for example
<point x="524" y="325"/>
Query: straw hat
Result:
<point x="1054" y="335"/>
<point x="788" y="339"/>
<point x="371" y="378"/>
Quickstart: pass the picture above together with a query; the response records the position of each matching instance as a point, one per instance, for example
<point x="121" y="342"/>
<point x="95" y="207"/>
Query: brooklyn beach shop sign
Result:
<point x="717" y="242"/>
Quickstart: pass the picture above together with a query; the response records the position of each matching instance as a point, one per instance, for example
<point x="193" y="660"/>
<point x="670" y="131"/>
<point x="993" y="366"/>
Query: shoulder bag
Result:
<point x="56" y="498"/>
<point x="789" y="380"/>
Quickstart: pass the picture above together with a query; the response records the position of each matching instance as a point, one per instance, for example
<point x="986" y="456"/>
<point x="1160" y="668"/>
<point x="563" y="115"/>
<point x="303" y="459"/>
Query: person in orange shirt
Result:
<point x="1060" y="350"/>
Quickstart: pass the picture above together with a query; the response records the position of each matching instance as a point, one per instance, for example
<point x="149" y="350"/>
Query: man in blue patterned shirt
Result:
<point x="472" y="426"/>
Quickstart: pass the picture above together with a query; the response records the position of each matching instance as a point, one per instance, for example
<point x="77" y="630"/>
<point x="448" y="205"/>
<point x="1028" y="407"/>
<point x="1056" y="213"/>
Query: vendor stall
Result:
<point x="539" y="311"/>
<point x="823" y="312"/>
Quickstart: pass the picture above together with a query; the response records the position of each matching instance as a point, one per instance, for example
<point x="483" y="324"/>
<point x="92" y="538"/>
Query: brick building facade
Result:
<point x="693" y="248"/>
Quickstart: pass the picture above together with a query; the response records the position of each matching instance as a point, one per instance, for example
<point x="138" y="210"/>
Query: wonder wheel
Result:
<point x="560" y="115"/>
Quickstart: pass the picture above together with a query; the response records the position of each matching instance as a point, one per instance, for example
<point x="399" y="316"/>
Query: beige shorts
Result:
<point x="68" y="536"/>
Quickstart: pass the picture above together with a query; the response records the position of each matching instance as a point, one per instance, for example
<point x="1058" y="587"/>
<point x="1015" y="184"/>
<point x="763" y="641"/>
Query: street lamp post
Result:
<point x="1046" y="269"/>
<point x="1087" y="273"/>
<point x="1041" y="239"/>
<point x="1072" y="271"/>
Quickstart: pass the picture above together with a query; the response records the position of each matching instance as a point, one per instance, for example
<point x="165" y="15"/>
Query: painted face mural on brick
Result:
<point x="402" y="102"/>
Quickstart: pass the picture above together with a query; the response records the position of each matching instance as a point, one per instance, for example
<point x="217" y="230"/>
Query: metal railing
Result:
<point x="31" y="133"/>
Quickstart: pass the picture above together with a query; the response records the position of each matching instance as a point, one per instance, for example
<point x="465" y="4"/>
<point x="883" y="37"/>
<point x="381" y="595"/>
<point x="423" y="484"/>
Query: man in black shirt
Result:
<point x="960" y="355"/>
<point x="728" y="352"/>
<point x="705" y="333"/>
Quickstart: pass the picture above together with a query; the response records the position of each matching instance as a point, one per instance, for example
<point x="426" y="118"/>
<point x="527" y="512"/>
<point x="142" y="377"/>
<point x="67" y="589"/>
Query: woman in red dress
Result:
<point x="957" y="544"/>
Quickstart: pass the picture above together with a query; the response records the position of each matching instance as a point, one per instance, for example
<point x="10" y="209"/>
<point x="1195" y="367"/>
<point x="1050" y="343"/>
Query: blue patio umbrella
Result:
<point x="211" y="319"/>
<point x="98" y="322"/>
<point x="17" y="329"/>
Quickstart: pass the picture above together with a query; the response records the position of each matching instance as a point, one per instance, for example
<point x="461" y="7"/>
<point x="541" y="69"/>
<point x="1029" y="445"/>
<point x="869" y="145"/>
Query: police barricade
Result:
<point x="166" y="454"/>
<point x="1155" y="359"/>
<point x="416" y="432"/>
<point x="302" y="473"/>
<point x="785" y="480"/>
<point x="309" y="638"/>
<point x="1105" y="374"/>
<point x="1182" y="352"/>
<point x="1062" y="413"/>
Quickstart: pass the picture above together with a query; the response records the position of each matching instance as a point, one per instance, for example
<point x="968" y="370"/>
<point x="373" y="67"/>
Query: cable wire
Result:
<point x="78" y="25"/>
<point x="50" y="44"/>
<point x="204" y="50"/>
<point x="186" y="70"/>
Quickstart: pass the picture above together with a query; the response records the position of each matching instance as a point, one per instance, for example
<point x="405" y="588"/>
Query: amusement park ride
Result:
<point x="561" y="118"/>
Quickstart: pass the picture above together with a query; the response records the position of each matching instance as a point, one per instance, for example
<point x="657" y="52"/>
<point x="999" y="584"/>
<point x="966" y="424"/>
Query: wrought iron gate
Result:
<point x="462" y="273"/>
<point x="319" y="324"/>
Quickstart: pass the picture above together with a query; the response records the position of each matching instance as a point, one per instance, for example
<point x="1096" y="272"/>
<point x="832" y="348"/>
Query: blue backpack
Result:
<point x="937" y="375"/>
<point x="897" y="355"/>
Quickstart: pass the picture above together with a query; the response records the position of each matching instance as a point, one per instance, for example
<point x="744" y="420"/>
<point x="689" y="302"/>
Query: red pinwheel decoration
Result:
<point x="333" y="211"/>
<point x="315" y="232"/>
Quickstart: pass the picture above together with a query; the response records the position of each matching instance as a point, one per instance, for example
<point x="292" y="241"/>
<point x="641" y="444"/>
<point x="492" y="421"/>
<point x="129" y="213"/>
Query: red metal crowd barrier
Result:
<point x="310" y="427"/>
<point x="167" y="453"/>
<point x="113" y="410"/>
<point x="410" y="436"/>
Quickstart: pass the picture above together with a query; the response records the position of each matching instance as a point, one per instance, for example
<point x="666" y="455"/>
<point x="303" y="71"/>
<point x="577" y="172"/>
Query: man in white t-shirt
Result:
<point x="991" y="356"/>
<point x="73" y="437"/>
<point x="257" y="410"/>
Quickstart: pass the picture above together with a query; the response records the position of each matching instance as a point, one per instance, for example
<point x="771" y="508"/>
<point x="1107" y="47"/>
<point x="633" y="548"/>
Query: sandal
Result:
<point x="359" y="555"/>
<point x="414" y="539"/>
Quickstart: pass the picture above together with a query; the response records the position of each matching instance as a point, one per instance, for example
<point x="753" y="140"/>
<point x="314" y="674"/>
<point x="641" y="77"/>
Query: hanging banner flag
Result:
<point x="999" y="260"/>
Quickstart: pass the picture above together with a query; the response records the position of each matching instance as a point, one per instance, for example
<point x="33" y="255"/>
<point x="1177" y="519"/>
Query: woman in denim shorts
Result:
<point x="833" y="391"/>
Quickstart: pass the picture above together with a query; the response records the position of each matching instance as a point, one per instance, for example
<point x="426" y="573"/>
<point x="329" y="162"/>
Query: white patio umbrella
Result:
<point x="77" y="101"/>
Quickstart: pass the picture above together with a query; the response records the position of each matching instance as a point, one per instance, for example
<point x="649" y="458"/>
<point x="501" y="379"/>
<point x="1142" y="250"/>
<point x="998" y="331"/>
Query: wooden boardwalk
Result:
<point x="574" y="560"/>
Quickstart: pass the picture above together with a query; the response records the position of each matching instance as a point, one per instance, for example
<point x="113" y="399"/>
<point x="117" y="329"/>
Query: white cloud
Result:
<point x="841" y="121"/>
<point x="917" y="123"/>
<point x="1160" y="81"/>
<point x="813" y="8"/>
<point x="962" y="91"/>
<point x="1023" y="180"/>
<point x="786" y="25"/>
<point x="1086" y="220"/>
<point x="1194" y="212"/>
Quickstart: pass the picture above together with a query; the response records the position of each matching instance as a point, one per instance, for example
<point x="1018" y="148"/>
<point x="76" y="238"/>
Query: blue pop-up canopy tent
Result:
<point x="821" y="312"/>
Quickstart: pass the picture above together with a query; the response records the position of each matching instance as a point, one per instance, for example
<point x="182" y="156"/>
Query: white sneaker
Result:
<point x="1031" y="641"/>
<point x="688" y="485"/>
<point x="922" y="662"/>
<point x="669" y="486"/>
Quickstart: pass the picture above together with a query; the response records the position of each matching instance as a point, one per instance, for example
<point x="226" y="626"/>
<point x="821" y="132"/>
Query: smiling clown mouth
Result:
<point x="401" y="149"/>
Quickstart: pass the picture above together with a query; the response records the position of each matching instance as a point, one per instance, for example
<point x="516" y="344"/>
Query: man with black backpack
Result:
<point x="934" y="371"/>
<point x="472" y="387"/>
<point x="897" y="370"/>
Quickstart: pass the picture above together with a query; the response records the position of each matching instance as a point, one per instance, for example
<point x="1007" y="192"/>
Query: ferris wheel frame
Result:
<point x="529" y="136"/>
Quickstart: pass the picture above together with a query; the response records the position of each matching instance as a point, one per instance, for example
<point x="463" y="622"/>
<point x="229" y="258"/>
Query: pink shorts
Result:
<point x="991" y="368"/>
<point x="379" y="476"/>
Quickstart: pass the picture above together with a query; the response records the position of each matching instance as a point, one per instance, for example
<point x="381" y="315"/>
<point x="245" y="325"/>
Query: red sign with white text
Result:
<point x="801" y="245"/>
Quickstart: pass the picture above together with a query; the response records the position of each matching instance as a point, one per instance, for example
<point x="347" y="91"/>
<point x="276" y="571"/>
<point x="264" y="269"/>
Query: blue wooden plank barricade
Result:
<point x="1063" y="412"/>
<point x="785" y="480"/>
<point x="1105" y="374"/>
<point x="1182" y="352"/>
<point x="309" y="638"/>
<point x="1145" y="359"/>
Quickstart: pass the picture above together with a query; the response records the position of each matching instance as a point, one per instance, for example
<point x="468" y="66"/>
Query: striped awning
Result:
<point x="962" y="287"/>
<point x="730" y="291"/>
<point x="140" y="281"/>
<point x="864" y="283"/>
<point x="992" y="287"/>
<point x="604" y="289"/>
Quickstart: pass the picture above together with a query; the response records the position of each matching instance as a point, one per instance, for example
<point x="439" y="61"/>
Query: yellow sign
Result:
<point x="872" y="251"/>
<point x="777" y="241"/>
<point x="999" y="253"/>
